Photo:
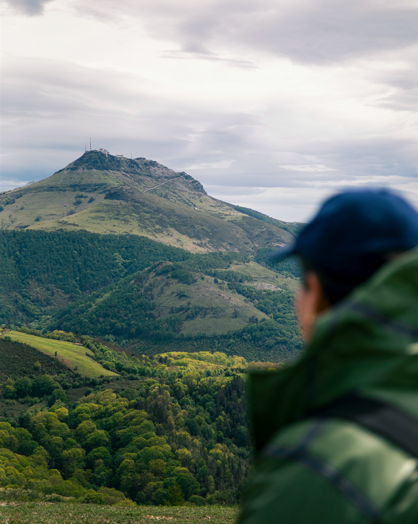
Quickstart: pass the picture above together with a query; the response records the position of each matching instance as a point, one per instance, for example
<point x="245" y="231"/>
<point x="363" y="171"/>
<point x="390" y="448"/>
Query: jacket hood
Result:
<point x="368" y="344"/>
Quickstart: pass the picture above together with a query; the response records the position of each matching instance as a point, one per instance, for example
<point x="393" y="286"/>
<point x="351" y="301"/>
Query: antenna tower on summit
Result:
<point x="90" y="144"/>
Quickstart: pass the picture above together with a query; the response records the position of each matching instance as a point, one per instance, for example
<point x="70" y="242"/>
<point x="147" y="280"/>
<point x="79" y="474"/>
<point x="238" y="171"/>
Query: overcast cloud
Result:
<point x="270" y="104"/>
<point x="28" y="7"/>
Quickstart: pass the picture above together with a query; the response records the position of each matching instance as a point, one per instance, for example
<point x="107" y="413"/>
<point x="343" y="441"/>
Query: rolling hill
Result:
<point x="238" y="307"/>
<point x="74" y="357"/>
<point x="165" y="430"/>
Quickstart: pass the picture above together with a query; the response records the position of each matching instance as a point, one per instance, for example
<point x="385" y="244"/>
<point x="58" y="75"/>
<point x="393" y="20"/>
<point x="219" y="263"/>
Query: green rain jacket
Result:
<point x="341" y="472"/>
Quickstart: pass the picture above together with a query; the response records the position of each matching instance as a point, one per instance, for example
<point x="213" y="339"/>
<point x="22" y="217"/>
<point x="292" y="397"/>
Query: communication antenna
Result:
<point x="90" y="144"/>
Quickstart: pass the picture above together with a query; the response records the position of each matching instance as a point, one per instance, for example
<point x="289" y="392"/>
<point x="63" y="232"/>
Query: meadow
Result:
<point x="63" y="513"/>
<point x="73" y="356"/>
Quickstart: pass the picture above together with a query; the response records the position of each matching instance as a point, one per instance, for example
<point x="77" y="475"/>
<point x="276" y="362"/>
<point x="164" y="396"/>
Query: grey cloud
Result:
<point x="197" y="47"/>
<point x="317" y="32"/>
<point x="28" y="7"/>
<point x="405" y="101"/>
<point x="322" y="32"/>
<point x="404" y="83"/>
<point x="201" y="52"/>
<point x="211" y="58"/>
<point x="74" y="103"/>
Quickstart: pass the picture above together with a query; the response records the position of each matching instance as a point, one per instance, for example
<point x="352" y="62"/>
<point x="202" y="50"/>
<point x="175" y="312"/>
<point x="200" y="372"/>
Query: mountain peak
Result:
<point x="102" y="160"/>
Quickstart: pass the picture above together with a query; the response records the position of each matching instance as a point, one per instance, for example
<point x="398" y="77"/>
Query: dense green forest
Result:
<point x="169" y="429"/>
<point x="289" y="266"/>
<point x="147" y="297"/>
<point x="39" y="271"/>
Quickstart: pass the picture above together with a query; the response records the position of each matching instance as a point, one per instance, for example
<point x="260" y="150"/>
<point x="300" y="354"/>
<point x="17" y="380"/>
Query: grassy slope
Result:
<point x="197" y="230"/>
<point x="219" y="304"/>
<point x="217" y="299"/>
<point x="43" y="513"/>
<point x="18" y="360"/>
<point x="71" y="355"/>
<point x="265" y="278"/>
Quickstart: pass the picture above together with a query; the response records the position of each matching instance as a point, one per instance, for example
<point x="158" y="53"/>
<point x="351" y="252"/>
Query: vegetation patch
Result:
<point x="70" y="354"/>
<point x="171" y="433"/>
<point x="19" y="360"/>
<point x="48" y="513"/>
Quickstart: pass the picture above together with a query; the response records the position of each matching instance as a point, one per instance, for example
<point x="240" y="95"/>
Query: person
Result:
<point x="336" y="433"/>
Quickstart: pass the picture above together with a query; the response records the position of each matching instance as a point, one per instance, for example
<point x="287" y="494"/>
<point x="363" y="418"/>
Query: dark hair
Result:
<point x="334" y="288"/>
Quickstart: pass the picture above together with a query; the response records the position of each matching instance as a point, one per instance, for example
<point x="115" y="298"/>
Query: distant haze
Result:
<point x="272" y="105"/>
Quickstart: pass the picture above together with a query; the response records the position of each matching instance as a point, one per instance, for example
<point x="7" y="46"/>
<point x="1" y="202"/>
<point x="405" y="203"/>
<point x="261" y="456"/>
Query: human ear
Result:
<point x="310" y="302"/>
<point x="320" y="302"/>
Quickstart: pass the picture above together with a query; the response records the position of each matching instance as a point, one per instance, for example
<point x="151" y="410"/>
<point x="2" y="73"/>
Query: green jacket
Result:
<point x="341" y="473"/>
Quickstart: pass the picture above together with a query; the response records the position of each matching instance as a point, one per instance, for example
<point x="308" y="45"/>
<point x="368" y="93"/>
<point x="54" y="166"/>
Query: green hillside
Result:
<point x="107" y="194"/>
<point x="42" y="272"/>
<point x="19" y="360"/>
<point x="207" y="301"/>
<point x="71" y="355"/>
<point x="130" y="305"/>
<point x="123" y="289"/>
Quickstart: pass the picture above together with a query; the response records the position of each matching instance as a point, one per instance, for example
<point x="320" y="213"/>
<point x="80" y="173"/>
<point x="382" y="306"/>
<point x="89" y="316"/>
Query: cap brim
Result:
<point x="282" y="253"/>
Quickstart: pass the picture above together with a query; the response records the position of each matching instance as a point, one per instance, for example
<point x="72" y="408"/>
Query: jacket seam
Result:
<point x="382" y="319"/>
<point x="301" y="455"/>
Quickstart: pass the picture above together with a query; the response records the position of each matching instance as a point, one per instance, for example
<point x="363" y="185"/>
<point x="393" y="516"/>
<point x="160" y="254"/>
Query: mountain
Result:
<point x="102" y="193"/>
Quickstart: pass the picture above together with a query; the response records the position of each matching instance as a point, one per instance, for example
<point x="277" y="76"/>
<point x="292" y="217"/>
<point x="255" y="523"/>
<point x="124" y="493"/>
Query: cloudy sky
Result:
<point x="271" y="104"/>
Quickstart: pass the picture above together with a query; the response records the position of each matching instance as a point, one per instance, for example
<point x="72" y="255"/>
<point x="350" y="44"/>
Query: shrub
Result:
<point x="112" y="496"/>
<point x="197" y="500"/>
<point x="92" y="497"/>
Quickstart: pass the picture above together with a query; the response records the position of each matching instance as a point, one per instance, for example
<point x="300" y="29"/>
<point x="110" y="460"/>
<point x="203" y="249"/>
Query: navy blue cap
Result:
<point x="352" y="232"/>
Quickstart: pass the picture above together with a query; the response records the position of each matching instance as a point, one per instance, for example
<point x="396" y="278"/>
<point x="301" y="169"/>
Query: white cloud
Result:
<point x="7" y="185"/>
<point x="222" y="164"/>
<point x="312" y="168"/>
<point x="318" y="31"/>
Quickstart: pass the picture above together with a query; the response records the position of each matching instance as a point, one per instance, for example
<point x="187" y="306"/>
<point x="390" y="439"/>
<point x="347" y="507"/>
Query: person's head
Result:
<point x="353" y="234"/>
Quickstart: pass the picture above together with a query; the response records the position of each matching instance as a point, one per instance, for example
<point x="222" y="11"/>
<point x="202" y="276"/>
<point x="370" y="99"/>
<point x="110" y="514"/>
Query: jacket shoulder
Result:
<point x="333" y="471"/>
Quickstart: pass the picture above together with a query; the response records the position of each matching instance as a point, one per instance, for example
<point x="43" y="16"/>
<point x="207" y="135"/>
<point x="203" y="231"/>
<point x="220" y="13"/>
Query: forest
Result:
<point x="169" y="429"/>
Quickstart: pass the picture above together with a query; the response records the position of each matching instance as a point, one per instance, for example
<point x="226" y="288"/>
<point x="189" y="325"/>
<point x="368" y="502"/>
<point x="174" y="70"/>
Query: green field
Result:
<point x="264" y="278"/>
<point x="75" y="357"/>
<point x="63" y="513"/>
